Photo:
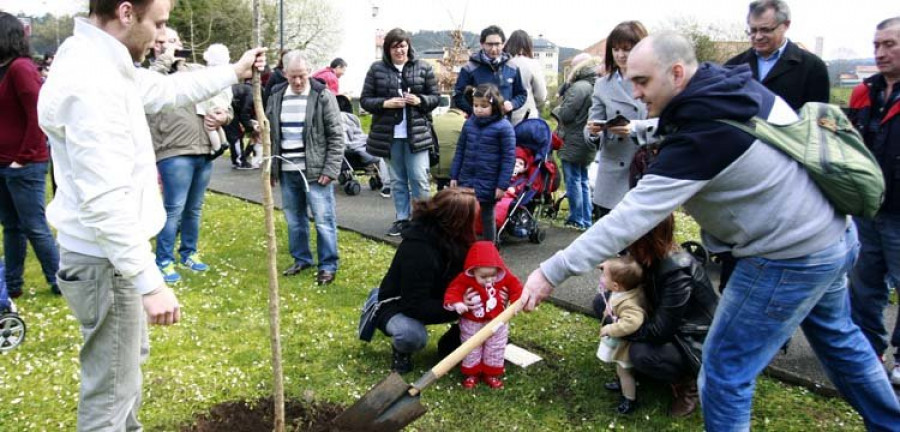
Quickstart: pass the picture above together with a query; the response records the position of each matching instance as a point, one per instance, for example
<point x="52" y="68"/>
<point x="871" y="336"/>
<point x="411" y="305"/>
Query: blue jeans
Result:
<point x="409" y="177"/>
<point x="764" y="302"/>
<point x="408" y="334"/>
<point x="184" y="182"/>
<point x="578" y="192"/>
<point x="320" y="200"/>
<point x="876" y="271"/>
<point x="22" y="205"/>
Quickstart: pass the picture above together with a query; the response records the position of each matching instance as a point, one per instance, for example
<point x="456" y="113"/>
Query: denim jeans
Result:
<point x="320" y="200"/>
<point x="876" y="271"/>
<point x="488" y="221"/>
<point x="761" y="308"/>
<point x="184" y="182"/>
<point x="408" y="334"/>
<point x="113" y="324"/>
<point x="22" y="204"/>
<point x="578" y="192"/>
<point x="409" y="177"/>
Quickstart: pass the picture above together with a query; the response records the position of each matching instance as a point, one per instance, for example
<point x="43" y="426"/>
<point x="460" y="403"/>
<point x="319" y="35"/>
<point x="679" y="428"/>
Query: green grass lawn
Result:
<point x="220" y="352"/>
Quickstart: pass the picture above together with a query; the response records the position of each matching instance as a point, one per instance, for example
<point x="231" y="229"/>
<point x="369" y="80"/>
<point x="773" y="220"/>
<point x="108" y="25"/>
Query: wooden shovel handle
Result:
<point x="458" y="354"/>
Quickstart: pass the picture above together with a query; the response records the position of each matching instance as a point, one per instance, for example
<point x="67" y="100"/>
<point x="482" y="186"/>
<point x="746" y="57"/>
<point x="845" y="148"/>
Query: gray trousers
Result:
<point x="114" y="327"/>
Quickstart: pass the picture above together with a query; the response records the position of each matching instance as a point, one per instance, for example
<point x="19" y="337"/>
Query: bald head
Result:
<point x="660" y="66"/>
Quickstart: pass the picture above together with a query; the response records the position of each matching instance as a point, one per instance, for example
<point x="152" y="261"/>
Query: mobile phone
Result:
<point x="183" y="53"/>
<point x="598" y="123"/>
<point x="618" y="120"/>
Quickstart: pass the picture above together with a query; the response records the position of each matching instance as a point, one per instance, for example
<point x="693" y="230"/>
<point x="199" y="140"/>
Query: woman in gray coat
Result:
<point x="521" y="53"/>
<point x="612" y="97"/>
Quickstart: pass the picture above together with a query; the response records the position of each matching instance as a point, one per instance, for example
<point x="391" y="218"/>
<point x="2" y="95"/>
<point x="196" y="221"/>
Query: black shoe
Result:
<point x="14" y="293"/>
<point x="627" y="406"/>
<point x="245" y="166"/>
<point x="385" y="192"/>
<point x="613" y="386"/>
<point x="401" y="362"/>
<point x="296" y="268"/>
<point x="325" y="277"/>
<point x="449" y="341"/>
<point x="54" y="288"/>
<point x="397" y="227"/>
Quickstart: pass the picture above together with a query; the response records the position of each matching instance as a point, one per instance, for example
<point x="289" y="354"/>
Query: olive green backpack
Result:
<point x="832" y="151"/>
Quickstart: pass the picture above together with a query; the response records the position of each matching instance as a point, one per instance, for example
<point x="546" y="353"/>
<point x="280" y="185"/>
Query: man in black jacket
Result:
<point x="242" y="104"/>
<point x="791" y="72"/>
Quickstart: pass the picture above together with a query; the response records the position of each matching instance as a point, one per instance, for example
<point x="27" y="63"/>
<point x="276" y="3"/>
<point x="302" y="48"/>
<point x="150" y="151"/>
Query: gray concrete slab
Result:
<point x="370" y="215"/>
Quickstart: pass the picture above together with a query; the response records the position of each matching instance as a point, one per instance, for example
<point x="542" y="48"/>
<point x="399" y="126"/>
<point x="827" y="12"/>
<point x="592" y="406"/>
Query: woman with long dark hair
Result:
<point x="400" y="92"/>
<point x="612" y="98"/>
<point x="681" y="304"/>
<point x="431" y="254"/>
<point x="24" y="160"/>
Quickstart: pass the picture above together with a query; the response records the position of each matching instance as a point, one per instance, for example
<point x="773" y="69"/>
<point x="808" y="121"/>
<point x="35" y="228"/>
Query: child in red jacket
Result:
<point x="484" y="272"/>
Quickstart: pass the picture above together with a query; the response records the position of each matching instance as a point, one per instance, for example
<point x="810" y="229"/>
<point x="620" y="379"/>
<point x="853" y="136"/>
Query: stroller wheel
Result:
<point x="697" y="250"/>
<point x="538" y="236"/>
<point x="352" y="188"/>
<point x="342" y="177"/>
<point x="12" y="331"/>
<point x="375" y="183"/>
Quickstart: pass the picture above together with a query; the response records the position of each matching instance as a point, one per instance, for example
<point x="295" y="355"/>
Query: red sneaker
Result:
<point x="493" y="382"/>
<point x="470" y="382"/>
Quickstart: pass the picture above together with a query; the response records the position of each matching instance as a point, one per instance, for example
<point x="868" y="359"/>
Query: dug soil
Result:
<point x="257" y="416"/>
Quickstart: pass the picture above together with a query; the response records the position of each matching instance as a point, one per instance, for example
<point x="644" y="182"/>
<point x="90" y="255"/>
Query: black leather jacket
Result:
<point x="681" y="304"/>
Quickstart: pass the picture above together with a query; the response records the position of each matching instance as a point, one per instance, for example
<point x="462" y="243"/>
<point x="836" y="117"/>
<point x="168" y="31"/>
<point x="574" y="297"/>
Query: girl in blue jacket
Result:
<point x="485" y="153"/>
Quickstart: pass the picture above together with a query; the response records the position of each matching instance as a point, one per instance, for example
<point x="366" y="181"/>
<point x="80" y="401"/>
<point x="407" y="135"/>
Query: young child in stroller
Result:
<point x="356" y="159"/>
<point x="12" y="328"/>
<point x="521" y="173"/>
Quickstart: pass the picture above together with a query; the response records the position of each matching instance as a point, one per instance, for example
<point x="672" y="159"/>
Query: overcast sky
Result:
<point x="579" y="23"/>
<point x="846" y="26"/>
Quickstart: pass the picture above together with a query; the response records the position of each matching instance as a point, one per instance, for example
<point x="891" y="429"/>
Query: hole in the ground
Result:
<point x="257" y="416"/>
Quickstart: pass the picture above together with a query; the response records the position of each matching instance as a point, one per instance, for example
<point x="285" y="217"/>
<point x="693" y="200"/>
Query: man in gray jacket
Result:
<point x="308" y="146"/>
<point x="793" y="249"/>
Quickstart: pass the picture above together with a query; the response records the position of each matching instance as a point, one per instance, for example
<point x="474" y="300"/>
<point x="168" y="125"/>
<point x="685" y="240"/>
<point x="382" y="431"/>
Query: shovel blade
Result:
<point x="374" y="404"/>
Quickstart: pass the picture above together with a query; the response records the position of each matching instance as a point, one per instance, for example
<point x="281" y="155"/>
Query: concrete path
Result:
<point x="370" y="215"/>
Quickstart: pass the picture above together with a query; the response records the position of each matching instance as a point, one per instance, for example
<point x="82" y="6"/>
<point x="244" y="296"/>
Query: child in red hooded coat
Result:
<point x="485" y="272"/>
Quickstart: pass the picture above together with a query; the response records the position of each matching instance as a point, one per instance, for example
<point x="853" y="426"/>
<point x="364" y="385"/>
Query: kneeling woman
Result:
<point x="431" y="254"/>
<point x="681" y="304"/>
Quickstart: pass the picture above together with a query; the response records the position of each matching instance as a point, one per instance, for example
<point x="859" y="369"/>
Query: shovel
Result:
<point x="392" y="404"/>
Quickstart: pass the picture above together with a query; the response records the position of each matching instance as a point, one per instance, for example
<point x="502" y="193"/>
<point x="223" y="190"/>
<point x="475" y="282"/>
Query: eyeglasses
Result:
<point x="400" y="47"/>
<point x="750" y="31"/>
<point x="493" y="44"/>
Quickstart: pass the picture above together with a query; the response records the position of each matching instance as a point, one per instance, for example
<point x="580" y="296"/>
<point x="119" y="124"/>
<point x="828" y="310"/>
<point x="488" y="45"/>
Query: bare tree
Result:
<point x="714" y="42"/>
<point x="312" y="26"/>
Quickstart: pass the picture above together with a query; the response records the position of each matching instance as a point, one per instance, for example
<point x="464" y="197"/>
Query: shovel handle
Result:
<point x="458" y="354"/>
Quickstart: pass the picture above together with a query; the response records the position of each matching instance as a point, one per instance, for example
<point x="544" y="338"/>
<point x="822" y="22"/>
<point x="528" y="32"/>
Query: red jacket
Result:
<point x="328" y="77"/>
<point x="881" y="135"/>
<point x="484" y="254"/>
<point x="21" y="139"/>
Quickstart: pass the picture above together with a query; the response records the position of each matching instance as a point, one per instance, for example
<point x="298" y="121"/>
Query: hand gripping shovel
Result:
<point x="392" y="404"/>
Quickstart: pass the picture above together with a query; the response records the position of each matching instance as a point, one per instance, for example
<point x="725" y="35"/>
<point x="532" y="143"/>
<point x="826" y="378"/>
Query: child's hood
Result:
<point x="484" y="254"/>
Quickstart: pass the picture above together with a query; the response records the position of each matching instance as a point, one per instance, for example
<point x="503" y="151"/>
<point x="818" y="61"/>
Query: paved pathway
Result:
<point x="370" y="215"/>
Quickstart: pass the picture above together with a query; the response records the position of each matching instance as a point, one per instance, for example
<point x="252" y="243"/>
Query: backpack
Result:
<point x="832" y="152"/>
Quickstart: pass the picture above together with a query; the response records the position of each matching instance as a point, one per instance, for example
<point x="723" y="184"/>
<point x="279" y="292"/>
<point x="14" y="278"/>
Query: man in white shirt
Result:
<point x="108" y="204"/>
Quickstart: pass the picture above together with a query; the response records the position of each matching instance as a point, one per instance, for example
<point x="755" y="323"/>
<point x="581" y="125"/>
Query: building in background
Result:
<point x="547" y="53"/>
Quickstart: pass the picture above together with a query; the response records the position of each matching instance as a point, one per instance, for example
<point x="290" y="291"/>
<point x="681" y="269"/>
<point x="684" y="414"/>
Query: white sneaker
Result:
<point x="895" y="375"/>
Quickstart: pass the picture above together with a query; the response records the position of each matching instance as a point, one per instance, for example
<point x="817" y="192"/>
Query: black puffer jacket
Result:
<point x="681" y="303"/>
<point x="382" y="83"/>
<point x="423" y="266"/>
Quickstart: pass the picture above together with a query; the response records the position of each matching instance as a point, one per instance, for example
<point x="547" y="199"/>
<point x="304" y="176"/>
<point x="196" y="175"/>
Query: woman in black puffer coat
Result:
<point x="401" y="92"/>
<point x="681" y="303"/>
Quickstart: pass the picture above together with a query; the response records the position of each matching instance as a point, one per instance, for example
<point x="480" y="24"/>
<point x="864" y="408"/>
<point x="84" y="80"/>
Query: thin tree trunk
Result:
<point x="269" y="208"/>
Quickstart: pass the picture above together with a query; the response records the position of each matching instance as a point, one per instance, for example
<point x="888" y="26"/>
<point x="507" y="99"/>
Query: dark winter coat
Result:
<point x="242" y="104"/>
<point x="480" y="70"/>
<point x="485" y="156"/>
<point x="681" y="304"/>
<point x="382" y="83"/>
<point x="419" y="274"/>
<point x="881" y="135"/>
<point x="798" y="76"/>
<point x="573" y="114"/>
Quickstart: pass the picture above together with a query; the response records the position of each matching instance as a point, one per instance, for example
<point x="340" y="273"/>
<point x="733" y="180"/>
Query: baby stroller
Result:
<point x="359" y="163"/>
<point x="520" y="218"/>
<point x="12" y="328"/>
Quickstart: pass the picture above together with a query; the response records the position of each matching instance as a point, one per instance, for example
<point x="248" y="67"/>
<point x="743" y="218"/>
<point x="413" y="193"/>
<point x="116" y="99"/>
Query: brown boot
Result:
<point x="686" y="398"/>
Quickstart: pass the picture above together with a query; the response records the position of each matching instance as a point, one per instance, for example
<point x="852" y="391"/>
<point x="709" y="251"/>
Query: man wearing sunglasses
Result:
<point x="797" y="75"/>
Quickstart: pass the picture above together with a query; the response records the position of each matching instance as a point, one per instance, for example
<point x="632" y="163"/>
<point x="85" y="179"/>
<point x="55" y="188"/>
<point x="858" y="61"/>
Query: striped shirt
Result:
<point x="293" y="120"/>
